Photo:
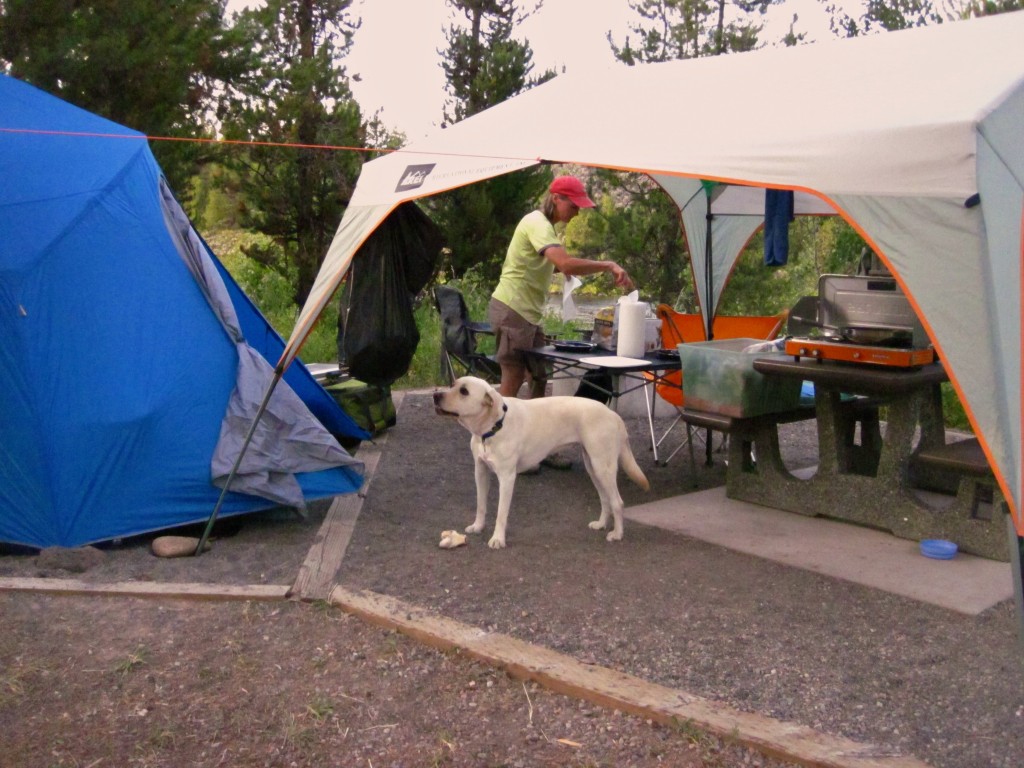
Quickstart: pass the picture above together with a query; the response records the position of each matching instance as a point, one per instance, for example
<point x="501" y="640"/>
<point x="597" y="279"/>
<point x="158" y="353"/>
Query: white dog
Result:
<point x="512" y="435"/>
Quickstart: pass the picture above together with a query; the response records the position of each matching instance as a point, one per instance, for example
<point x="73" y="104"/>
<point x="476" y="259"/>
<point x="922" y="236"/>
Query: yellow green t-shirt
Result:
<point x="526" y="274"/>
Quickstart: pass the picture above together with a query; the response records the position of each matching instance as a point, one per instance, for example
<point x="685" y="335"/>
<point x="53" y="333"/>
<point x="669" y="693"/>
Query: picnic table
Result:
<point x="863" y="473"/>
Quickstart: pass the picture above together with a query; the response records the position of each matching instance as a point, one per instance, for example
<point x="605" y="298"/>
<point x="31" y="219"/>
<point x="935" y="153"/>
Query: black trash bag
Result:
<point x="377" y="333"/>
<point x="596" y="385"/>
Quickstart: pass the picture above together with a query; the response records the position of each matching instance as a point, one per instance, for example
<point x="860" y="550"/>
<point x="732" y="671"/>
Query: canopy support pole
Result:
<point x="709" y="317"/>
<point x="238" y="462"/>
<point x="709" y="280"/>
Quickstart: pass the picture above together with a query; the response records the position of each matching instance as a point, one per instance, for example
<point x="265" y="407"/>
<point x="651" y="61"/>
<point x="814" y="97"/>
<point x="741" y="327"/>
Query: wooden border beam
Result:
<point x="609" y="688"/>
<point x="183" y="590"/>
<point x="317" y="572"/>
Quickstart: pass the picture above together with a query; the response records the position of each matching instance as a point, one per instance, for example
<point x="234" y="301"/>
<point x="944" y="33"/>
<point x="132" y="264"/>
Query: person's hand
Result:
<point x="622" y="279"/>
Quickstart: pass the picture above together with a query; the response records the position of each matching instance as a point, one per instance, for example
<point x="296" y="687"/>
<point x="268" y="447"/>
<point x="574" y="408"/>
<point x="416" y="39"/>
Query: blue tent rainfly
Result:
<point x="129" y="358"/>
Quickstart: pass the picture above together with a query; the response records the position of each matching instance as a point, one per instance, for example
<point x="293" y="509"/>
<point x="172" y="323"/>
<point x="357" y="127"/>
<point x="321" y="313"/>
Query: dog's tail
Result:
<point x="628" y="462"/>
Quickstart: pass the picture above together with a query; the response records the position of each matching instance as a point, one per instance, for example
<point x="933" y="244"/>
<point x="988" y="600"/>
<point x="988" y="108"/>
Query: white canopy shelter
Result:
<point x="900" y="133"/>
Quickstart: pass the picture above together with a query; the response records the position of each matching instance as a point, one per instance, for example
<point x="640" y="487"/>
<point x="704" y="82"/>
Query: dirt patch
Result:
<point x="176" y="682"/>
<point x="262" y="548"/>
<point x="122" y="681"/>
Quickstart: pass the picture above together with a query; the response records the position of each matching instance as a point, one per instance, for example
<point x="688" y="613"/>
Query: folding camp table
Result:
<point x="626" y="374"/>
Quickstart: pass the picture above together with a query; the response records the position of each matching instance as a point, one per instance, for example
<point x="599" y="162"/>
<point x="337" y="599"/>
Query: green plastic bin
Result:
<point x="719" y="377"/>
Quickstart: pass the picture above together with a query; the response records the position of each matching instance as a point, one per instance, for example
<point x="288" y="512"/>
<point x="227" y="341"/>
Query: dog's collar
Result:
<point x="498" y="424"/>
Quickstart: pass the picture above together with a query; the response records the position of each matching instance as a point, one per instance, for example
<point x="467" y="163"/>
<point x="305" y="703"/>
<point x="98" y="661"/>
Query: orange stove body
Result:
<point x="897" y="357"/>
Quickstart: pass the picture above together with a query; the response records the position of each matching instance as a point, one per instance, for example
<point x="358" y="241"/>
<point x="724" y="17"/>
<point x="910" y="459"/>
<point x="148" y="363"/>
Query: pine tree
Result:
<point x="688" y="29"/>
<point x="296" y="92"/>
<point x="148" y="64"/>
<point x="484" y="66"/>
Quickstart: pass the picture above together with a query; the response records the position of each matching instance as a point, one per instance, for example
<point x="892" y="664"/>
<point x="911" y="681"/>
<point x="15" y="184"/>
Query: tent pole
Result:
<point x="238" y="462"/>
<point x="709" y="318"/>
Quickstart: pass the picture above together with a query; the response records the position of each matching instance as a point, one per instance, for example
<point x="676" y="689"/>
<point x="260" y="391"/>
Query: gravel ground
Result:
<point x="759" y="636"/>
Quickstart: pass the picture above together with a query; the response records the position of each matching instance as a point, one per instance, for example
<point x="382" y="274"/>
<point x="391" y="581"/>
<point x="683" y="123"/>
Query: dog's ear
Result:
<point x="488" y="400"/>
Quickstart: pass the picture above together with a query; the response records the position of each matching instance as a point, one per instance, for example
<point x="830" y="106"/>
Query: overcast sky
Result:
<point x="396" y="54"/>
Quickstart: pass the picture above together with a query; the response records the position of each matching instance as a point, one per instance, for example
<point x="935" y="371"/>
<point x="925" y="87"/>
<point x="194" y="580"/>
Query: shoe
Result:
<point x="556" y="461"/>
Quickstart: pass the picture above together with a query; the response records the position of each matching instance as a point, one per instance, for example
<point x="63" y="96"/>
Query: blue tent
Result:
<point x="131" y="364"/>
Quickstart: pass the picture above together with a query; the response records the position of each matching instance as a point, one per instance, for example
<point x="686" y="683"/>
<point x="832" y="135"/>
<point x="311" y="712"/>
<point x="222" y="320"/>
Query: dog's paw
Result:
<point x="596" y="525"/>
<point x="614" y="536"/>
<point x="474" y="528"/>
<point x="496" y="543"/>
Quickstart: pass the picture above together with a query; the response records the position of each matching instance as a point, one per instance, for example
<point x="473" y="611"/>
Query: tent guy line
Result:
<point x="333" y="147"/>
<point x="249" y="142"/>
<point x="255" y="143"/>
<point x="197" y="140"/>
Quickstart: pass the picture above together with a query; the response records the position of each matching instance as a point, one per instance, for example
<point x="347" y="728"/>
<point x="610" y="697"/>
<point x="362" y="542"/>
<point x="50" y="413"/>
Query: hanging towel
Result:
<point x="778" y="212"/>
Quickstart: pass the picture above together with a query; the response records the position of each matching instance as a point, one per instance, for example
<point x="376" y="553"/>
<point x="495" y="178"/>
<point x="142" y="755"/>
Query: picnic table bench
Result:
<point x="746" y="432"/>
<point x="959" y="468"/>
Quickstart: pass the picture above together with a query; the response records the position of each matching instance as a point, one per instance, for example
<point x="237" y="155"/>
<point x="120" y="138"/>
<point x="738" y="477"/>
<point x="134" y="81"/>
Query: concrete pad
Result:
<point x="866" y="556"/>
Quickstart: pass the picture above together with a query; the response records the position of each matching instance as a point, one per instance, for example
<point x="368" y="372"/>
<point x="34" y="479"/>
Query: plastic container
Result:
<point x="938" y="549"/>
<point x="719" y="377"/>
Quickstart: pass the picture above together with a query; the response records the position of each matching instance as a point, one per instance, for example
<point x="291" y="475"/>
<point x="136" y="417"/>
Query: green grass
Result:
<point x="132" y="662"/>
<point x="953" y="413"/>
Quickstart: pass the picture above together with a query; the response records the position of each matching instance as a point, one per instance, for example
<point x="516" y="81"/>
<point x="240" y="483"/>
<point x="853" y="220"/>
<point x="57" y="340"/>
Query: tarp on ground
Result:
<point x="130" y="361"/>
<point x="899" y="132"/>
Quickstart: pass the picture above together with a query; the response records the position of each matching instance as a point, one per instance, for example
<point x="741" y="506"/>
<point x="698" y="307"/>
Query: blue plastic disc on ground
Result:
<point x="938" y="549"/>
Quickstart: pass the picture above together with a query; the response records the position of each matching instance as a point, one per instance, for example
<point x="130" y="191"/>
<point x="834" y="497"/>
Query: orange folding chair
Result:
<point x="676" y="328"/>
<point x="765" y="327"/>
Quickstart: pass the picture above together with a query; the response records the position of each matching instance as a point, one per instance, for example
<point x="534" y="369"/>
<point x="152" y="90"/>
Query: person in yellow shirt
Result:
<point x="517" y="304"/>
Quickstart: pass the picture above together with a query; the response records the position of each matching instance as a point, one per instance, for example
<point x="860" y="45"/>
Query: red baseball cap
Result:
<point x="572" y="188"/>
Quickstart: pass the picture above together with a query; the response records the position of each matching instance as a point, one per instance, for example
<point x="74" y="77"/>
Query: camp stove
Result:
<point x="864" y="320"/>
<point x="848" y="352"/>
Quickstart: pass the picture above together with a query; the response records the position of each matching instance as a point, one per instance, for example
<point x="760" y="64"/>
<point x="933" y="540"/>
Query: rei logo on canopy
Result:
<point x="413" y="177"/>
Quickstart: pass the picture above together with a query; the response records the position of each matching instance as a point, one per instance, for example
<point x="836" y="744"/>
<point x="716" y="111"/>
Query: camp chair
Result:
<point x="458" y="339"/>
<point x="685" y="329"/>
<point x="676" y="328"/>
<point x="765" y="327"/>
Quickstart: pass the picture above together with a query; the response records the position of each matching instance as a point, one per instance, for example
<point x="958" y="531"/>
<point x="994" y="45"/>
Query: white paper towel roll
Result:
<point x="632" y="328"/>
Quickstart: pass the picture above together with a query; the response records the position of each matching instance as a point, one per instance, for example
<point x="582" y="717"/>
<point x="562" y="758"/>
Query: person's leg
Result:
<point x="538" y="377"/>
<point x="536" y="372"/>
<point x="512" y="334"/>
<point x="511" y="379"/>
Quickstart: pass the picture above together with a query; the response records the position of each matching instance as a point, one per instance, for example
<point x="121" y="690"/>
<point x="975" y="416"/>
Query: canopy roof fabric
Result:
<point x="128" y="356"/>
<point x="897" y="132"/>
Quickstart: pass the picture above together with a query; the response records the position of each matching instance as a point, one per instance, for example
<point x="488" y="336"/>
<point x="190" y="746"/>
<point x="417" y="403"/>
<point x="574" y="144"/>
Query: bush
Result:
<point x="271" y="292"/>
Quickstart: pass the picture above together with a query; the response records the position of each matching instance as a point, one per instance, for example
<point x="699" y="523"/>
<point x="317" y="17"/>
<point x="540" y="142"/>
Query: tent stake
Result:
<point x="238" y="462"/>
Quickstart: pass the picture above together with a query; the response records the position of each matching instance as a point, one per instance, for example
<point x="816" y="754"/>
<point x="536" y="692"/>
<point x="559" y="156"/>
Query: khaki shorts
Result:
<point x="513" y="333"/>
